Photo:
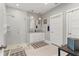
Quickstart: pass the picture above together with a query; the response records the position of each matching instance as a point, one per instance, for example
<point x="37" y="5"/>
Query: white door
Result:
<point x="56" y="29"/>
<point x="73" y="23"/>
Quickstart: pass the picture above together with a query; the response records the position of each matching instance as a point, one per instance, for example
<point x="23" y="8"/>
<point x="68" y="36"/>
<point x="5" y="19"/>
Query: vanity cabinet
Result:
<point x="37" y="36"/>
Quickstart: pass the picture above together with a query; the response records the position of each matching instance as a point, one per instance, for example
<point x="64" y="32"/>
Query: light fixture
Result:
<point x="39" y="18"/>
<point x="17" y="5"/>
<point x="31" y="17"/>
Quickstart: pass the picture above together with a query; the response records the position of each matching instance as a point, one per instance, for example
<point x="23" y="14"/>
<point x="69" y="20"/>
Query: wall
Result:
<point x="38" y="35"/>
<point x="33" y="21"/>
<point x="2" y="24"/>
<point x="61" y="8"/>
<point x="2" y="27"/>
<point x="17" y="26"/>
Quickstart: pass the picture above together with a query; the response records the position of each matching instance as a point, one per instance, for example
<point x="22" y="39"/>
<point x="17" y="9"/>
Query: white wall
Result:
<point x="17" y="29"/>
<point x="34" y="21"/>
<point x="61" y="8"/>
<point x="18" y="26"/>
<point x="2" y="24"/>
<point x="72" y="18"/>
<point x="21" y="24"/>
<point x="34" y="36"/>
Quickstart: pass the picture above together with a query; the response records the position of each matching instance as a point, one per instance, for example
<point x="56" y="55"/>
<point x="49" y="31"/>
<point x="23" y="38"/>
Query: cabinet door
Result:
<point x="73" y="23"/>
<point x="56" y="29"/>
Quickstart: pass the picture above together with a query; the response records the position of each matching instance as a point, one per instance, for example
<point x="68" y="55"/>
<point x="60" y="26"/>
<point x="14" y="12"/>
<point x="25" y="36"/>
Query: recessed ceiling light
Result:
<point x="17" y="5"/>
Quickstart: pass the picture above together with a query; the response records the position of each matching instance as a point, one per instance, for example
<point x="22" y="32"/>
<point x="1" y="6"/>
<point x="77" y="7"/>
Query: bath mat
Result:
<point x="6" y="52"/>
<point x="17" y="52"/>
<point x="20" y="53"/>
<point x="39" y="44"/>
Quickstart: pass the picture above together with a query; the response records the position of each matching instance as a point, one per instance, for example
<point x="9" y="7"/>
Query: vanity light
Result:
<point x="39" y="18"/>
<point x="31" y="17"/>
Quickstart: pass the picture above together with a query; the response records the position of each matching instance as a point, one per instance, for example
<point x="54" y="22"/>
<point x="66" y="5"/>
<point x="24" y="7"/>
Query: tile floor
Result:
<point x="48" y="50"/>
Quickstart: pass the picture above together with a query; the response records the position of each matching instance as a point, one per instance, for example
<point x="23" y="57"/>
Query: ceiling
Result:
<point x="34" y="7"/>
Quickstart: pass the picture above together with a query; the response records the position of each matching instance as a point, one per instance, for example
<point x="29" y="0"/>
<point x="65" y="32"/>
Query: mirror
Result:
<point x="35" y="24"/>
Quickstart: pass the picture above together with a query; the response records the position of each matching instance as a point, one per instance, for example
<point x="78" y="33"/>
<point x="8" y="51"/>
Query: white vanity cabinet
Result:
<point x="37" y="36"/>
